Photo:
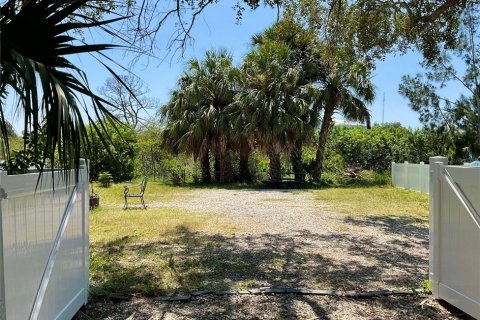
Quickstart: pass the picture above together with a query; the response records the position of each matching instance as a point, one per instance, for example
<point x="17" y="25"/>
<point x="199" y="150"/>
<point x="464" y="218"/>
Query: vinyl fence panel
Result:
<point x="455" y="235"/>
<point x="44" y="241"/>
<point x="411" y="176"/>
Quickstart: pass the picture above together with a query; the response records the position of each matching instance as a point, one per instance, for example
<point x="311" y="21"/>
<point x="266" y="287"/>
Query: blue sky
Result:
<point x="217" y="28"/>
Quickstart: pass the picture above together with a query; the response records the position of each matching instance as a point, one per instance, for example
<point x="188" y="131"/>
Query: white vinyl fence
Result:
<point x="455" y="234"/>
<point x="411" y="176"/>
<point x="44" y="245"/>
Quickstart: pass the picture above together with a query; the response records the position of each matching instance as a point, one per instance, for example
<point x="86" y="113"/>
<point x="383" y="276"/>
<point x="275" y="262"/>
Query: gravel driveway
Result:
<point x="294" y="240"/>
<point x="322" y="248"/>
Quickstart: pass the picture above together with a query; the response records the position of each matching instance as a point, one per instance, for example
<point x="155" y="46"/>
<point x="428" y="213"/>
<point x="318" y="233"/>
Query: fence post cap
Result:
<point x="439" y="159"/>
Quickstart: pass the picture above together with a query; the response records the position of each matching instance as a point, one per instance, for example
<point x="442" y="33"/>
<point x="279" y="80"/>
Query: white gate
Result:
<point x="455" y="234"/>
<point x="44" y="243"/>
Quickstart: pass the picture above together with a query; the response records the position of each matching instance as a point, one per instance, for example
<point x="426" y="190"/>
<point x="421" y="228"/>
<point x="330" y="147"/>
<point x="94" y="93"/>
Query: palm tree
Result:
<point x="36" y="39"/>
<point x="302" y="43"/>
<point x="347" y="91"/>
<point x="196" y="118"/>
<point x="273" y="104"/>
<point x="179" y="134"/>
<point x="241" y="139"/>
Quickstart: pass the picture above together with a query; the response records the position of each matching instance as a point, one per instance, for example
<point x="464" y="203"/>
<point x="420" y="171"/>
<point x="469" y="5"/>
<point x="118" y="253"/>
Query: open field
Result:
<point x="190" y="239"/>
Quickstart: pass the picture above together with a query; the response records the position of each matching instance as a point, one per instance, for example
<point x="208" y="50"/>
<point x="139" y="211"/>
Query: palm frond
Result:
<point x="53" y="93"/>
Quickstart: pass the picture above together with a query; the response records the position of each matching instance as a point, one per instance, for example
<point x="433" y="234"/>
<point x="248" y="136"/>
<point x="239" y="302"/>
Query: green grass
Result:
<point x="152" y="252"/>
<point x="375" y="201"/>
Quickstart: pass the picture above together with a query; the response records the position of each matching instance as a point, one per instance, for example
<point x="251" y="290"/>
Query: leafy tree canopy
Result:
<point x="375" y="27"/>
<point x="459" y="117"/>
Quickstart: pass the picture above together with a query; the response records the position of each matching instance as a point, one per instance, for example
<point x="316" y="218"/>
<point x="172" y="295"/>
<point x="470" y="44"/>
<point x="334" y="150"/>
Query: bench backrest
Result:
<point x="143" y="186"/>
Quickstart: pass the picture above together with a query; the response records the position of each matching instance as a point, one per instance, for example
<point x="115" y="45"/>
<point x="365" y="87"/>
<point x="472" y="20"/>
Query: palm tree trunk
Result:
<point x="226" y="169"/>
<point x="205" y="167"/>
<point x="275" y="164"/>
<point x="327" y="123"/>
<point x="297" y="163"/>
<point x="244" y="168"/>
<point x="216" y="167"/>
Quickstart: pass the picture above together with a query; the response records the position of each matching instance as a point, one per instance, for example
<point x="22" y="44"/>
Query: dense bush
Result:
<point x="154" y="161"/>
<point x="140" y="153"/>
<point x="119" y="160"/>
<point x="375" y="148"/>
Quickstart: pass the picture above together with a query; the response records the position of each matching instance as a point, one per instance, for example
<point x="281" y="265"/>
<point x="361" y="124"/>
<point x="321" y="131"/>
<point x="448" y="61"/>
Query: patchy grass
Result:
<point x="375" y="201"/>
<point x="152" y="251"/>
<point x="165" y="250"/>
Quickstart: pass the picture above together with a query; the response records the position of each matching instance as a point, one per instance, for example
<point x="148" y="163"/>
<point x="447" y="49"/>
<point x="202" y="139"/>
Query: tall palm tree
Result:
<point x="196" y="113"/>
<point x="178" y="134"/>
<point x="242" y="140"/>
<point x="302" y="43"/>
<point x="273" y="103"/>
<point x="36" y="39"/>
<point x="347" y="91"/>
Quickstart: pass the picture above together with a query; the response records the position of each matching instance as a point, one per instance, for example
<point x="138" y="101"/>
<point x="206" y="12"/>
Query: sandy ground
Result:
<point x="300" y="242"/>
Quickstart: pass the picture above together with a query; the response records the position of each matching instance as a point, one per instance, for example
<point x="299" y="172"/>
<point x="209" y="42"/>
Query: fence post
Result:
<point x="436" y="167"/>
<point x="84" y="188"/>
<point x="420" y="177"/>
<point x="3" y="195"/>
<point x="405" y="174"/>
<point x="393" y="174"/>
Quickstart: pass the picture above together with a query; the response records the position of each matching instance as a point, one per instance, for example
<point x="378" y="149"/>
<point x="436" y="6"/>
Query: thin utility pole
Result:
<point x="383" y="109"/>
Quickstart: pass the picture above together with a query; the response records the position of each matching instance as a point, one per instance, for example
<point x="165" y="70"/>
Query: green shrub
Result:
<point x="119" y="160"/>
<point x="331" y="178"/>
<point x="378" y="178"/>
<point x="105" y="179"/>
<point x="376" y="148"/>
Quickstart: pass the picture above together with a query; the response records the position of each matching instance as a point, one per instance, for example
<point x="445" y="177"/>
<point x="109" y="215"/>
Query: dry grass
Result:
<point x="153" y="224"/>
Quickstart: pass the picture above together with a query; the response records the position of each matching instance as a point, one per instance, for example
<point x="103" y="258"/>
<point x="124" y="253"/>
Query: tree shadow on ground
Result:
<point x="186" y="261"/>
<point x="410" y="228"/>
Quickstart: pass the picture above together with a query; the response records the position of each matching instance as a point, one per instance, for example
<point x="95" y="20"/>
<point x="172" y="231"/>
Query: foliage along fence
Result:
<point x="44" y="245"/>
<point x="411" y="176"/>
<point x="455" y="234"/>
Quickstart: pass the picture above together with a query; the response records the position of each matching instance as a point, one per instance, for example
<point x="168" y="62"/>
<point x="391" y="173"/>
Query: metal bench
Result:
<point x="127" y="195"/>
